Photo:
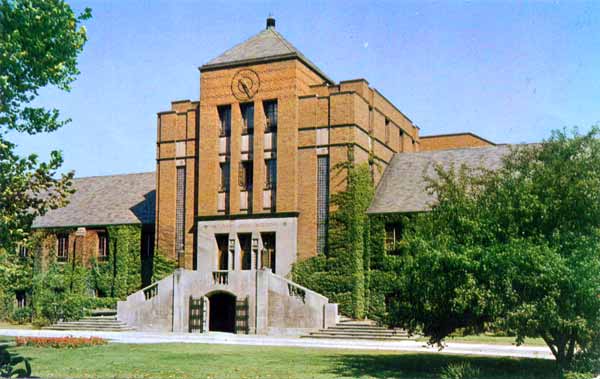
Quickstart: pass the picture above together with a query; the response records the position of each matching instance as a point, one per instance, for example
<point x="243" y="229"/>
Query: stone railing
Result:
<point x="150" y="291"/>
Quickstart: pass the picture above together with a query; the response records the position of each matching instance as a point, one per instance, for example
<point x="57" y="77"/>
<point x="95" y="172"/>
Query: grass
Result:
<point x="490" y="339"/>
<point x="226" y="361"/>
<point x="8" y="325"/>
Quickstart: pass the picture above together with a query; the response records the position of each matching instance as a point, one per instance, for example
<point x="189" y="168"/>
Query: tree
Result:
<point x="516" y="248"/>
<point x="40" y="41"/>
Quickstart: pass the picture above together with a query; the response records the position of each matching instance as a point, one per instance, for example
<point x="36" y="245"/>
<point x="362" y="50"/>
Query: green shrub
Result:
<point x="462" y="370"/>
<point x="21" y="315"/>
<point x="577" y="375"/>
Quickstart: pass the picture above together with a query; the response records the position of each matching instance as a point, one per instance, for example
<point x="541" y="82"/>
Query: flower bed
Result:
<point x="60" y="342"/>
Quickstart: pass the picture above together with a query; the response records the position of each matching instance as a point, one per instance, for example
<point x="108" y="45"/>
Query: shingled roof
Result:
<point x="106" y="200"/>
<point x="266" y="46"/>
<point x="403" y="187"/>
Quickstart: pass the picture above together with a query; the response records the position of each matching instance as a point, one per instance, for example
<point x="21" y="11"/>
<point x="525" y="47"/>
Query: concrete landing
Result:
<point x="253" y="340"/>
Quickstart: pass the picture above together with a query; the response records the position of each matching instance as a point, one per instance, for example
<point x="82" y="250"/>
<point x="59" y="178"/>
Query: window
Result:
<point x="23" y="251"/>
<point x="246" y="250"/>
<point x="222" y="251"/>
<point x="224" y="177"/>
<point x="271" y="173"/>
<point x="180" y="212"/>
<point x="270" y="115"/>
<point x="245" y="176"/>
<point x="247" y="118"/>
<point x="393" y="235"/>
<point x="268" y="258"/>
<point x="21" y="299"/>
<point x="387" y="130"/>
<point x="322" y="202"/>
<point x="102" y="247"/>
<point x="225" y="120"/>
<point x="62" y="247"/>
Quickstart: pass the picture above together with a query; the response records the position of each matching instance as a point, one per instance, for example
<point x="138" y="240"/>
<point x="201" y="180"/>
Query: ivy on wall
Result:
<point x="342" y="274"/>
<point x="68" y="290"/>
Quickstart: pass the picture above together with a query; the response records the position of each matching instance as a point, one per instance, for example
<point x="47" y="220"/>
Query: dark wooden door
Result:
<point x="241" y="316"/>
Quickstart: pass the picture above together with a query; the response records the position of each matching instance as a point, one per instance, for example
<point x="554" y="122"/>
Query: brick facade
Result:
<point x="315" y="117"/>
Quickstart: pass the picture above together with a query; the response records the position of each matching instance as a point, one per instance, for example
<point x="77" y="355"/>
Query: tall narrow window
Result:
<point x="247" y="118"/>
<point x="62" y="247"/>
<point x="387" y="131"/>
<point x="246" y="250"/>
<point x="102" y="247"/>
<point x="180" y="214"/>
<point x="246" y="176"/>
<point x="222" y="251"/>
<point x="224" y="177"/>
<point x="322" y="202"/>
<point x="225" y="120"/>
<point x="268" y="256"/>
<point x="23" y="251"/>
<point x="21" y="299"/>
<point x="270" y="115"/>
<point x="271" y="173"/>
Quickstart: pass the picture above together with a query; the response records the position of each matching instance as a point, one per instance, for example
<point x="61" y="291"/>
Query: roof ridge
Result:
<point x="114" y="175"/>
<point x="282" y="39"/>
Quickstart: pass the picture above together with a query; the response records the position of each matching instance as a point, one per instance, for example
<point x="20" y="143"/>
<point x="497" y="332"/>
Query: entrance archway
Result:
<point x="222" y="312"/>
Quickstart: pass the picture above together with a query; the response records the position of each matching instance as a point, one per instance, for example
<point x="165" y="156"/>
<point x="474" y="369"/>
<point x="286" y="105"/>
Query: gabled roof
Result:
<point x="403" y="186"/>
<point x="106" y="200"/>
<point x="266" y="46"/>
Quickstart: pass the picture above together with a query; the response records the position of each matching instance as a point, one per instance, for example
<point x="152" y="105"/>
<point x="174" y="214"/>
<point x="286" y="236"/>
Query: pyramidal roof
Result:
<point x="266" y="46"/>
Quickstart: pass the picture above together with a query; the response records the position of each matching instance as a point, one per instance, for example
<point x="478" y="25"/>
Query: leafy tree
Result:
<point x="40" y="41"/>
<point x="516" y="248"/>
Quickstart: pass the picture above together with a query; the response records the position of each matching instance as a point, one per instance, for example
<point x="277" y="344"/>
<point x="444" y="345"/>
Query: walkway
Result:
<point x="252" y="340"/>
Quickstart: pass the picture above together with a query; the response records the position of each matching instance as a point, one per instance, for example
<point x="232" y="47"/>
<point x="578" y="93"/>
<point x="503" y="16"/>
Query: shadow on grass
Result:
<point x="12" y="365"/>
<point x="406" y="366"/>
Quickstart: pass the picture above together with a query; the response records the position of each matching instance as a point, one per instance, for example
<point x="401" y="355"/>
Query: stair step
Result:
<point x="344" y="337"/>
<point x="354" y="332"/>
<point x="375" y="329"/>
<point x="104" y="312"/>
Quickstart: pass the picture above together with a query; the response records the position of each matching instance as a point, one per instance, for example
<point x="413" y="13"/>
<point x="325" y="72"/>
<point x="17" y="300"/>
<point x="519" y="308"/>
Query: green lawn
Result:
<point x="490" y="339"/>
<point x="223" y="361"/>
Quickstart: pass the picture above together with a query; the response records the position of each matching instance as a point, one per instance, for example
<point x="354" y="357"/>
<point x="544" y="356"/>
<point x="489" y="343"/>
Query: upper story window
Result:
<point x="247" y="118"/>
<point x="270" y="115"/>
<point x="271" y="173"/>
<point x="246" y="176"/>
<point x="102" y="246"/>
<point x="393" y="235"/>
<point x="387" y="130"/>
<point x="225" y="120"/>
<point x="62" y="247"/>
<point x="23" y="251"/>
<point x="224" y="177"/>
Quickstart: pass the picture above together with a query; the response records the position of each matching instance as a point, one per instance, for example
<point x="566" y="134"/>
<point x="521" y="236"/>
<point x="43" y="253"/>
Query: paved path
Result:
<point x="233" y="339"/>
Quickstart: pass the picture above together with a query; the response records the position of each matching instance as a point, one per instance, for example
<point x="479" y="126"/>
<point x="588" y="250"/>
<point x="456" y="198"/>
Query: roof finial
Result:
<point x="270" y="22"/>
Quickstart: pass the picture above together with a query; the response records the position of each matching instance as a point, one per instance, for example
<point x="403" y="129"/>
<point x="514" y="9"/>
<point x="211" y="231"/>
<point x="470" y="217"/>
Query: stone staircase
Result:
<point x="350" y="329"/>
<point x="101" y="320"/>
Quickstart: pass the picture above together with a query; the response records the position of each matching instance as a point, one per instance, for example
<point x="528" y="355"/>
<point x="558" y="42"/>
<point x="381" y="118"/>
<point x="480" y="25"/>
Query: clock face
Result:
<point x="245" y="84"/>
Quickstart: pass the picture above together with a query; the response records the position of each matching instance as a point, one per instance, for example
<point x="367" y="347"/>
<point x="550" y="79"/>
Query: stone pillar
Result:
<point x="330" y="315"/>
<point x="179" y="302"/>
<point x="262" y="301"/>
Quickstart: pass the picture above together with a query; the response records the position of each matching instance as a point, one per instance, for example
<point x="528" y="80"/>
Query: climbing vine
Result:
<point x="343" y="273"/>
<point x="68" y="290"/>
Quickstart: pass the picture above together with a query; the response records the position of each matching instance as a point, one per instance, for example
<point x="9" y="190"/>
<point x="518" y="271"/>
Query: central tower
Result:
<point x="245" y="173"/>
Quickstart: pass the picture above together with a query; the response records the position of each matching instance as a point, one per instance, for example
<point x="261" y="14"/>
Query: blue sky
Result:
<point x="508" y="71"/>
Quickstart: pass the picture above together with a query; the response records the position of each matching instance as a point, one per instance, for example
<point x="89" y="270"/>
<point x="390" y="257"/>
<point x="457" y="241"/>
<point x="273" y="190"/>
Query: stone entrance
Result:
<point x="221" y="316"/>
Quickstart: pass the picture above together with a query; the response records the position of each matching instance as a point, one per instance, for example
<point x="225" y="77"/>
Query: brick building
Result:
<point x="244" y="177"/>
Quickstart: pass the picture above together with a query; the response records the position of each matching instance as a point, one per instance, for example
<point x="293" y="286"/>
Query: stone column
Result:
<point x="179" y="302"/>
<point x="262" y="301"/>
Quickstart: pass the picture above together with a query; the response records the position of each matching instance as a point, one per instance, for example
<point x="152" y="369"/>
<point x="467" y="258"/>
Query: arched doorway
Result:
<point x="222" y="312"/>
